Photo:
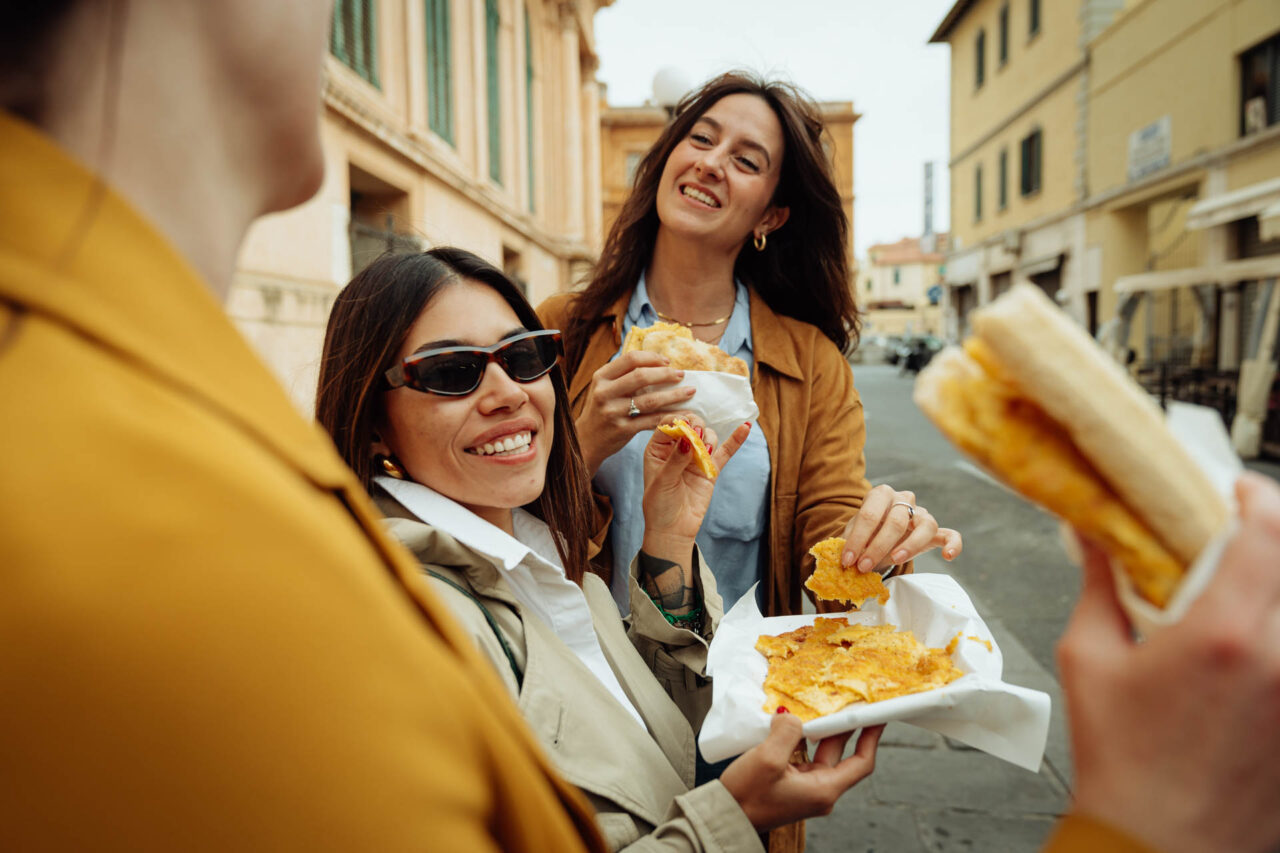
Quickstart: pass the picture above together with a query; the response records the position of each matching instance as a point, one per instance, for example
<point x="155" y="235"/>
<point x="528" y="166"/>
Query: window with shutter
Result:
<point x="528" y="101"/>
<point x="1002" y="179"/>
<point x="1004" y="35"/>
<point x="354" y="38"/>
<point x="977" y="193"/>
<point x="439" y="69"/>
<point x="1031" y="162"/>
<point x="980" y="54"/>
<point x="491" y="24"/>
<point x="1260" y="86"/>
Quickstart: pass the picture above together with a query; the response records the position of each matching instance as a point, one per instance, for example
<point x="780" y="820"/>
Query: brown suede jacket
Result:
<point x="812" y="421"/>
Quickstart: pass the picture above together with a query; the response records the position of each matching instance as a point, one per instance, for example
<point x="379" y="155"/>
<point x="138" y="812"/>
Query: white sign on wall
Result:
<point x="1150" y="148"/>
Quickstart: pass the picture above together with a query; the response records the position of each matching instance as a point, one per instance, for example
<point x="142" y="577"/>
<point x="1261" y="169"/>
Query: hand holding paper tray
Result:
<point x="979" y="709"/>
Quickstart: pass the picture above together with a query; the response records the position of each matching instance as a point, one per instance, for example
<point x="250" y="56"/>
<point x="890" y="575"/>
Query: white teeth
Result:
<point x="511" y="443"/>
<point x="699" y="195"/>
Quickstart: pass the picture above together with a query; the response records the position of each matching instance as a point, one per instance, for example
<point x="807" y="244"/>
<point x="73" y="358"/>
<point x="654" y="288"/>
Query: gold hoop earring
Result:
<point x="760" y="241"/>
<point x="393" y="470"/>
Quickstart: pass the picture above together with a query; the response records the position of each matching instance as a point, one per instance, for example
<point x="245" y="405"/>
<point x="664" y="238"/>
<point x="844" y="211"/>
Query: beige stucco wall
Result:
<point x="378" y="138"/>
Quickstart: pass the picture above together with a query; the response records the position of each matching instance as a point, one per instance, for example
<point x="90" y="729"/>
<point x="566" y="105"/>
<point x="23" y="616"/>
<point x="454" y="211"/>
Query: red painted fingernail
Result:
<point x="711" y="448"/>
<point x="698" y="430"/>
<point x="685" y="446"/>
<point x="782" y="710"/>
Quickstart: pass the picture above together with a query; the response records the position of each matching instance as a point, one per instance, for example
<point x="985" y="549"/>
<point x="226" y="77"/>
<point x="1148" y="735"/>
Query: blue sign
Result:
<point x="934" y="293"/>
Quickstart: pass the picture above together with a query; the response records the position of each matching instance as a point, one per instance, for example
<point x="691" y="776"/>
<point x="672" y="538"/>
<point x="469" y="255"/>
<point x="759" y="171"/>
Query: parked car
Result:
<point x="915" y="351"/>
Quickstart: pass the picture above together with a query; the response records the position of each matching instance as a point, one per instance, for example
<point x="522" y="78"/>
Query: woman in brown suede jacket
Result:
<point x="736" y="230"/>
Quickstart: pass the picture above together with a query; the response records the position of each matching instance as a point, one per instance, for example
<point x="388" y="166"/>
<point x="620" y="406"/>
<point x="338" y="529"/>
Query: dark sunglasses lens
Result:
<point x="530" y="358"/>
<point x="448" y="373"/>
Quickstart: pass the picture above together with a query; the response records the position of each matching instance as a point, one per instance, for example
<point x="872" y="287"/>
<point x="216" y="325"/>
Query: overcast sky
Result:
<point x="871" y="52"/>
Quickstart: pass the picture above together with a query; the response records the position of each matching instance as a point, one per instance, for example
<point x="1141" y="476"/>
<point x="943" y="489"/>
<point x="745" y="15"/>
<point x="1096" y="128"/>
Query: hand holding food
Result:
<point x="831" y="581"/>
<point x="890" y="529"/>
<point x="634" y="392"/>
<point x="1176" y="740"/>
<point x="772" y="791"/>
<point x="678" y="488"/>
<point x="1036" y="401"/>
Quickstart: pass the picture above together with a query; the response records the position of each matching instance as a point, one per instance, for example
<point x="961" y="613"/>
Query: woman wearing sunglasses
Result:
<point x="443" y="393"/>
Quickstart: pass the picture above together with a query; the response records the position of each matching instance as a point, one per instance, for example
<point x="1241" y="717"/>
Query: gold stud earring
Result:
<point x="760" y="241"/>
<point x="392" y="469"/>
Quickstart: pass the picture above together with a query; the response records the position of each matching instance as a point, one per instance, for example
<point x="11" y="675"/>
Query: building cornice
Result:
<point x="943" y="33"/>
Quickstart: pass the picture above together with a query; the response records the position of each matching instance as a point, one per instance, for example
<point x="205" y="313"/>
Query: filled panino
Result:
<point x="1034" y="399"/>
<point x="685" y="351"/>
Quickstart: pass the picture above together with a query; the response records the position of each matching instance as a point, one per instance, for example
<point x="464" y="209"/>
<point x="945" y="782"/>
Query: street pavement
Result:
<point x="929" y="794"/>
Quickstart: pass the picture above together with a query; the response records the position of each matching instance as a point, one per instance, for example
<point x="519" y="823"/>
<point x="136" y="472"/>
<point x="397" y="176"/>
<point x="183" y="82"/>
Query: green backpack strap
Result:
<point x="493" y="624"/>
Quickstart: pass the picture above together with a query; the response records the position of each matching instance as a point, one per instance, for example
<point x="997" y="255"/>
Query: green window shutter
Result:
<point x="439" y="69"/>
<point x="977" y="193"/>
<point x="1003" y="199"/>
<point x="354" y="37"/>
<point x="491" y="21"/>
<point x="528" y="101"/>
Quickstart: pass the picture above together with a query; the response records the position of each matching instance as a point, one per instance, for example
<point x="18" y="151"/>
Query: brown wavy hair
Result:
<point x="367" y="327"/>
<point x="804" y="273"/>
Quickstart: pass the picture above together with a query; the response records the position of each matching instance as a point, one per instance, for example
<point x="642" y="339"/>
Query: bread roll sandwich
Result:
<point x="1045" y="409"/>
<point x="685" y="351"/>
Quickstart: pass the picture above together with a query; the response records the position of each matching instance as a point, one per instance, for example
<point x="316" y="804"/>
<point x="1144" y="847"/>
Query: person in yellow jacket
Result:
<point x="206" y="643"/>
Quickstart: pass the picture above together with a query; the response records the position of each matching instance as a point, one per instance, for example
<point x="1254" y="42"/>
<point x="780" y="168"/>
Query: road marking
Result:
<point x="970" y="468"/>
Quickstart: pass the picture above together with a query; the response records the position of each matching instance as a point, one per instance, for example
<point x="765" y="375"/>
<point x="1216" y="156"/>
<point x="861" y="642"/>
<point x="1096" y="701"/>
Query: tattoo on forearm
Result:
<point x="666" y="584"/>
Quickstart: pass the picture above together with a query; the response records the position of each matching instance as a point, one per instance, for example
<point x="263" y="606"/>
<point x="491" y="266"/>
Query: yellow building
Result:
<point x="1184" y="173"/>
<point x="466" y="122"/>
<point x="627" y="133"/>
<point x="900" y="284"/>
<point x="1150" y="132"/>
<point x="1019" y="76"/>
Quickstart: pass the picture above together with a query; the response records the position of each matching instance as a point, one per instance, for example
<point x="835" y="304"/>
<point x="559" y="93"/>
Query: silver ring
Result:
<point x="911" y="511"/>
<point x="634" y="411"/>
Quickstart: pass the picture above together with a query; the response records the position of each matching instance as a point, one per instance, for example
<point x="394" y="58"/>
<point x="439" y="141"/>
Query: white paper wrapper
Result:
<point x="723" y="401"/>
<point x="1199" y="429"/>
<point x="979" y="709"/>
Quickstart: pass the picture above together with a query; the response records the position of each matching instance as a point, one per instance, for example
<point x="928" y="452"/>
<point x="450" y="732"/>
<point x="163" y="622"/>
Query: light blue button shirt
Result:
<point x="732" y="533"/>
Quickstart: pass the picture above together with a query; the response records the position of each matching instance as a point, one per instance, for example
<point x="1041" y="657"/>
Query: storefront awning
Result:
<point x="1269" y="223"/>
<point x="1040" y="266"/>
<point x="1226" y="273"/>
<point x="1237" y="204"/>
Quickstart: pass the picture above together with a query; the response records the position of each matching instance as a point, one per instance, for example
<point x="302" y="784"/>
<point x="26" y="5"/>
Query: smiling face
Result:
<point x="488" y="450"/>
<point x="719" y="181"/>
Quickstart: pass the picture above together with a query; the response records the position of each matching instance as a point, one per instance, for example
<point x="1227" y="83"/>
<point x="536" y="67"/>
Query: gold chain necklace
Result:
<point x="662" y="316"/>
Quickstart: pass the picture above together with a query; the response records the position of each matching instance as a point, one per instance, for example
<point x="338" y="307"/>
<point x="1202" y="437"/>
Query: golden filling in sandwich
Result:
<point x="833" y="582"/>
<point x="819" y="669"/>
<point x="686" y="352"/>
<point x="1041" y="406"/>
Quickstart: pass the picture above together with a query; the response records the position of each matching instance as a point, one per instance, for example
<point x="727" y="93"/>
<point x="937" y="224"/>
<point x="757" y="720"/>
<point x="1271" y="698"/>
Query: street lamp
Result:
<point x="670" y="85"/>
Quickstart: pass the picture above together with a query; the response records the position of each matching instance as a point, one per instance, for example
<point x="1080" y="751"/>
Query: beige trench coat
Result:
<point x="639" y="782"/>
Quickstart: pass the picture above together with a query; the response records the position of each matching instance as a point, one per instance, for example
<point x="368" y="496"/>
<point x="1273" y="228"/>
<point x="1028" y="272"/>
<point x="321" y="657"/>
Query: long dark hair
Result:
<point x="367" y="328"/>
<point x="803" y="272"/>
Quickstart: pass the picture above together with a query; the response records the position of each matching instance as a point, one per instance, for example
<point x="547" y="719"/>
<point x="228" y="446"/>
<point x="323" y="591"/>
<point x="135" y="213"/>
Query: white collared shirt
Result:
<point x="532" y="569"/>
